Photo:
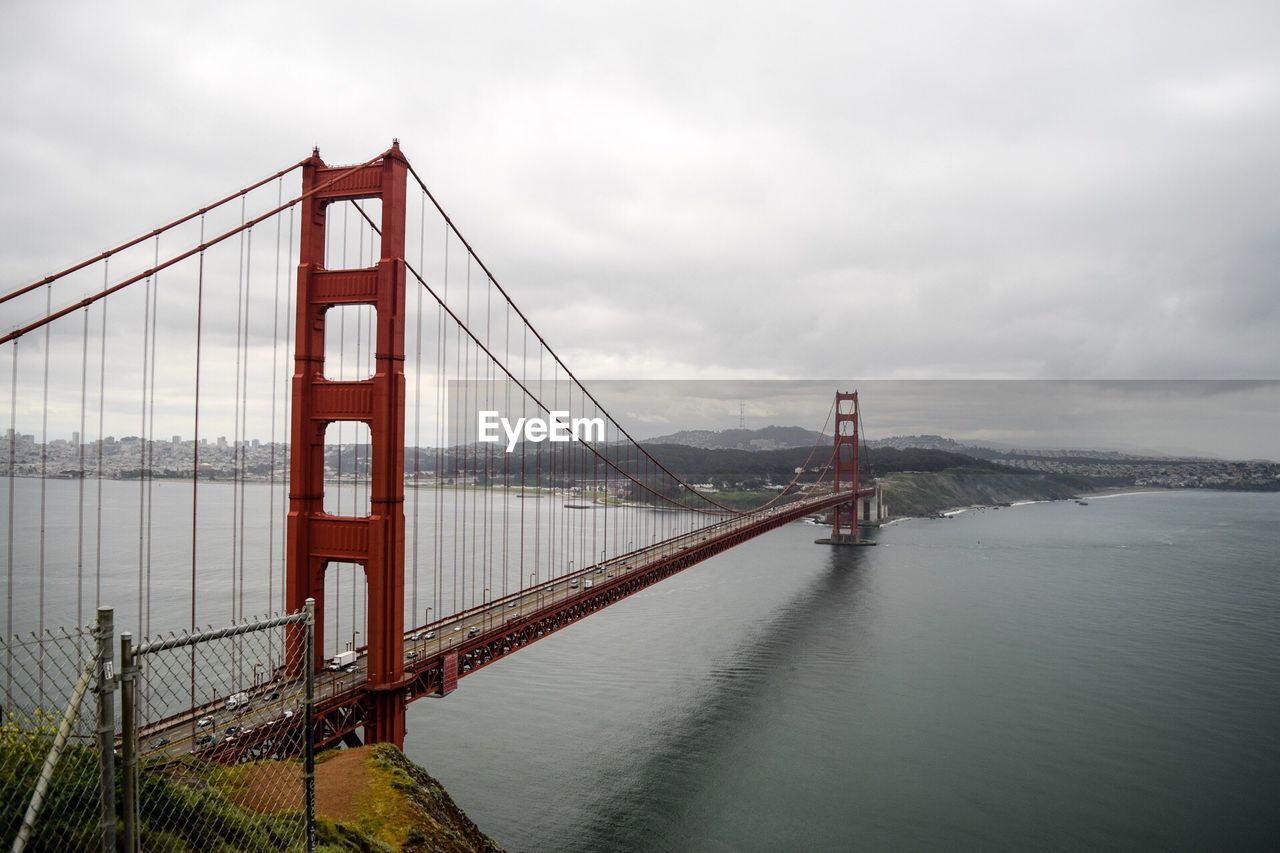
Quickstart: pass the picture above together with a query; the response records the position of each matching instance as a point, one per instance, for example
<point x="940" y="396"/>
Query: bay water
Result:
<point x="1047" y="676"/>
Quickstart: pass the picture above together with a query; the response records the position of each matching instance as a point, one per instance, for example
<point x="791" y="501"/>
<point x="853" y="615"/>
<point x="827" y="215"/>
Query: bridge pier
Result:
<point x="384" y="722"/>
<point x="846" y="539"/>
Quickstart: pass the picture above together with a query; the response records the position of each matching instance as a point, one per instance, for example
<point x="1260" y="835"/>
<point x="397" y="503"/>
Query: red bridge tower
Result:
<point x="375" y="542"/>
<point x="844" y="517"/>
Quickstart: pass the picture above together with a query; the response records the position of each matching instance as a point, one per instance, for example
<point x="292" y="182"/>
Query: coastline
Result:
<point x="1097" y="494"/>
<point x="1121" y="491"/>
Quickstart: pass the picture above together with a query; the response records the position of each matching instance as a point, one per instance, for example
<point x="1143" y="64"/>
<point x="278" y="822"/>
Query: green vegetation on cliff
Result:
<point x="368" y="800"/>
<point x="398" y="803"/>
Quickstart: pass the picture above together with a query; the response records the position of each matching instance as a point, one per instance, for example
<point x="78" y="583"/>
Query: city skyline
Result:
<point x="1222" y="419"/>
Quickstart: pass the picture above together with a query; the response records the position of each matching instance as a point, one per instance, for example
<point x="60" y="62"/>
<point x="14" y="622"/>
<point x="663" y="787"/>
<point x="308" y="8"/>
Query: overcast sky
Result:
<point x="1033" y="190"/>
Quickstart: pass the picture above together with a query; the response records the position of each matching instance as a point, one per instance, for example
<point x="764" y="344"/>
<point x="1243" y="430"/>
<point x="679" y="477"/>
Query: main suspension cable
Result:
<point x="156" y="232"/>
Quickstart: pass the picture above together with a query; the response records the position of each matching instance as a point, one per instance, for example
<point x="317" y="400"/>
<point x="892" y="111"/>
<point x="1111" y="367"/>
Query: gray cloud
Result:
<point x="720" y="190"/>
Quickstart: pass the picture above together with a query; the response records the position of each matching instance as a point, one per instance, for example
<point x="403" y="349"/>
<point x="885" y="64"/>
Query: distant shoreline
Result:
<point x="1107" y="492"/>
<point x="1119" y="491"/>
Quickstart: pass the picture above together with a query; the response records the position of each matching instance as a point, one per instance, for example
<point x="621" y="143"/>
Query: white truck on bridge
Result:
<point x="342" y="659"/>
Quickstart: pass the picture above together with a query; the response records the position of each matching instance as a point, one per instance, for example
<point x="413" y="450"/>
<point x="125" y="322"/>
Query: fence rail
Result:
<point x="214" y="746"/>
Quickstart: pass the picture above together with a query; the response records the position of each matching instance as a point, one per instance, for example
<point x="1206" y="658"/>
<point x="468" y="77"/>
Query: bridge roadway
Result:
<point x="441" y="652"/>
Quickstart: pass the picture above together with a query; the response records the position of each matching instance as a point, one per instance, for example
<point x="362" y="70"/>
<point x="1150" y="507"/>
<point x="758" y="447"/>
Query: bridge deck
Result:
<point x="440" y="653"/>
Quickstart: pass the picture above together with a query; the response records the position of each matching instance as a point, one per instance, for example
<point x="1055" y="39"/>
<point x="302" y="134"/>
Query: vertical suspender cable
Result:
<point x="417" y="409"/>
<point x="235" y="424"/>
<point x="8" y="613"/>
<point x="84" y="392"/>
<point x="441" y="434"/>
<point x="468" y="381"/>
<point x="151" y="420"/>
<point x="537" y="480"/>
<point x="44" y="470"/>
<point x="463" y="368"/>
<point x="596" y="539"/>
<point x="243" y="449"/>
<point x="488" y="449"/>
<point x="284" y="480"/>
<point x="453" y="498"/>
<point x="102" y="389"/>
<point x="506" y="457"/>
<point x="142" y="444"/>
<point x="554" y="532"/>
<point x="271" y="449"/>
<point x="195" y="456"/>
<point x="524" y="397"/>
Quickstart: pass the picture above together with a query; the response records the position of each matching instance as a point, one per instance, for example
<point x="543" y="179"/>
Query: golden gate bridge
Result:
<point x="495" y="544"/>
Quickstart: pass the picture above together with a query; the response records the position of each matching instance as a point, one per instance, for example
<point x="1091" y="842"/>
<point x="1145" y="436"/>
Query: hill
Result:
<point x="927" y="493"/>
<point x="766" y="438"/>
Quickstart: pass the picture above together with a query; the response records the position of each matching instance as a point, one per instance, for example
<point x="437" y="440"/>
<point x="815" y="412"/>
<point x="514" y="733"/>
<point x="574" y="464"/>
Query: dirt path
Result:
<point x="273" y="787"/>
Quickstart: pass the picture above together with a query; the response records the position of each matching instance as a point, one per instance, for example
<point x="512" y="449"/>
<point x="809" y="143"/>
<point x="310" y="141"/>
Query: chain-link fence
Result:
<point x="216" y="751"/>
<point x="56" y="740"/>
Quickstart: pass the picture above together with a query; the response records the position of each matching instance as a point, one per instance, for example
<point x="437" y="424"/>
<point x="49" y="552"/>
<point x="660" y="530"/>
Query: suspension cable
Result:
<point x="471" y="252"/>
<point x="156" y="232"/>
<point x="108" y="291"/>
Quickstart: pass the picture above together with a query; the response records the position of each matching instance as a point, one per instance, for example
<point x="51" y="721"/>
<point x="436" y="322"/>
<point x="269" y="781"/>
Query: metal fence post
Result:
<point x="129" y="742"/>
<point x="309" y="734"/>
<point x="106" y="685"/>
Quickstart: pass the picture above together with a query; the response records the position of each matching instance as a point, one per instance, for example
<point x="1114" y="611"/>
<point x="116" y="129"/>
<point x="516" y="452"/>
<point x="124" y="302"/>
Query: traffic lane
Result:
<point x="224" y="725"/>
<point x="189" y="735"/>
<point x="447" y="634"/>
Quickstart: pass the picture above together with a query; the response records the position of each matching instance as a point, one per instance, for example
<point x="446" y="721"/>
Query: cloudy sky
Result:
<point x="1031" y="190"/>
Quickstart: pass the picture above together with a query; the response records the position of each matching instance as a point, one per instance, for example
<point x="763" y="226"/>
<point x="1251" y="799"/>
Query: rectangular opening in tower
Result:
<point x="352" y="240"/>
<point x="350" y="342"/>
<point x="346" y="608"/>
<point x="347" y="469"/>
